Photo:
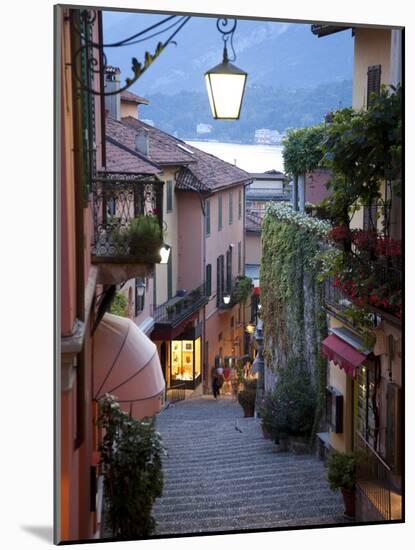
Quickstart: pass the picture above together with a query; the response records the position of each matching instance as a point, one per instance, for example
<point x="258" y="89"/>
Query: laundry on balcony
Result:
<point x="127" y="365"/>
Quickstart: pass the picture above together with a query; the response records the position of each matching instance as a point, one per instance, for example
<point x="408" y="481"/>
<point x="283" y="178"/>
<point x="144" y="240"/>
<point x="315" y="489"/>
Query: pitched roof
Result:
<point x="120" y="153"/>
<point x="133" y="98"/>
<point x="162" y="148"/>
<point x="202" y="170"/>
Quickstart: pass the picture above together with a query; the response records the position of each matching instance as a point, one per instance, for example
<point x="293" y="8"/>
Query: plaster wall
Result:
<point x="253" y="248"/>
<point x="372" y="47"/>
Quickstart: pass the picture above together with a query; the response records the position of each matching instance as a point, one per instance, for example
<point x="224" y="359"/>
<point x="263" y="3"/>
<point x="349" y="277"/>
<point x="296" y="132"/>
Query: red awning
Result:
<point x="342" y="353"/>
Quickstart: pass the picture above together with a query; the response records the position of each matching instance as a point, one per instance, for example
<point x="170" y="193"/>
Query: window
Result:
<point x="239" y="256"/>
<point x="219" y="213"/>
<point x="230" y="207"/>
<point x="239" y="204"/>
<point x="373" y="83"/>
<point x="207" y="217"/>
<point x="169" y="191"/>
<point x="208" y="279"/>
<point x="367" y="414"/>
<point x="139" y="300"/>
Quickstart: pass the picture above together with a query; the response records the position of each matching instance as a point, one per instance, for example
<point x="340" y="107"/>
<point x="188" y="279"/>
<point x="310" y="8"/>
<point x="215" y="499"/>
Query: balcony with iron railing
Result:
<point x="376" y="287"/>
<point x="237" y="290"/>
<point x="127" y="224"/>
<point x="176" y="310"/>
<point x="374" y="479"/>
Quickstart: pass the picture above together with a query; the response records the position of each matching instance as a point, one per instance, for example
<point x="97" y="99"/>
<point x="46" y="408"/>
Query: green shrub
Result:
<point x="142" y="238"/>
<point x="131" y="453"/>
<point x="247" y="396"/>
<point x="290" y="408"/>
<point x="341" y="470"/>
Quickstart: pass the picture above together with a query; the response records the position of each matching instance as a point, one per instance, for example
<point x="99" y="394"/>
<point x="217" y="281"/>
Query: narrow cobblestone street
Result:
<point x="222" y="475"/>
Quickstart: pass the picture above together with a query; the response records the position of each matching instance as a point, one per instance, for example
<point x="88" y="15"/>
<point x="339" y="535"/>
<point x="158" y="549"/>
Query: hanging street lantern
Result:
<point x="225" y="83"/>
<point x="226" y="299"/>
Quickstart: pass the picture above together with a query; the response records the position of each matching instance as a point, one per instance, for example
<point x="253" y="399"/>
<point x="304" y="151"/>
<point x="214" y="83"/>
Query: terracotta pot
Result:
<point x="265" y="433"/>
<point x="249" y="410"/>
<point x="349" y="502"/>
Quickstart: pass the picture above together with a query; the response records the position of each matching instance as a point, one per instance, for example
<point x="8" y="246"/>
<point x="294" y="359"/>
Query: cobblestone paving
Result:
<point x="222" y="475"/>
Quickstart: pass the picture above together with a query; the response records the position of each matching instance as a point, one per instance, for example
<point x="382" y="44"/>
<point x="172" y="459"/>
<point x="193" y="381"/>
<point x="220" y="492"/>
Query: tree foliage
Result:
<point x="303" y="149"/>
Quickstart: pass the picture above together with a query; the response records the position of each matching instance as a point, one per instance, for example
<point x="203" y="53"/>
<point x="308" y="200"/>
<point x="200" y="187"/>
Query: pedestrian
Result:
<point x="234" y="383"/>
<point x="215" y="386"/>
<point x="227" y="380"/>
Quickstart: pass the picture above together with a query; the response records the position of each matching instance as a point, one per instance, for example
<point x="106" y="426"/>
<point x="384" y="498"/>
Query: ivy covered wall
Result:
<point x="292" y="296"/>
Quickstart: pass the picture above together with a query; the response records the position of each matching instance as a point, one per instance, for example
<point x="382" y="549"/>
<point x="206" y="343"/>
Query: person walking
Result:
<point x="215" y="386"/>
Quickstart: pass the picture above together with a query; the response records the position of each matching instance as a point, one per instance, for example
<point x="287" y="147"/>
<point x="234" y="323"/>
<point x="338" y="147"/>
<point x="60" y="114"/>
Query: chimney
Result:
<point x="141" y="141"/>
<point x="112" y="84"/>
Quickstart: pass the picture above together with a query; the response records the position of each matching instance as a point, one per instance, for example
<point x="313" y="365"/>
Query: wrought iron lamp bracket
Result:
<point x="97" y="59"/>
<point x="227" y="35"/>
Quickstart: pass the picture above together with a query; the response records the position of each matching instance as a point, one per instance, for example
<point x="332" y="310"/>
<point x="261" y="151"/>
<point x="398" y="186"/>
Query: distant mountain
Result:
<point x="263" y="107"/>
<point x="274" y="54"/>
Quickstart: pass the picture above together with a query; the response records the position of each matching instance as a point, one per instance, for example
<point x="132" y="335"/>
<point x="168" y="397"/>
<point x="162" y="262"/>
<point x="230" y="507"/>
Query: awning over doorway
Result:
<point x="342" y="353"/>
<point x="127" y="365"/>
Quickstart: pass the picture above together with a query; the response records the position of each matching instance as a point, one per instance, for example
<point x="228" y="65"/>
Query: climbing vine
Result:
<point x="292" y="295"/>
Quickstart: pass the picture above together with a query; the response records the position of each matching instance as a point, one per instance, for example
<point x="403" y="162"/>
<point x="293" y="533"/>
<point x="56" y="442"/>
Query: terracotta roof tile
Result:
<point x="133" y="98"/>
<point x="203" y="171"/>
<point x="163" y="148"/>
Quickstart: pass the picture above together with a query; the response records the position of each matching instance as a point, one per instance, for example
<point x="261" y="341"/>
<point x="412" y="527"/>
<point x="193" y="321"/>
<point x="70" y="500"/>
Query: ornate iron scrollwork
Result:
<point x="97" y="59"/>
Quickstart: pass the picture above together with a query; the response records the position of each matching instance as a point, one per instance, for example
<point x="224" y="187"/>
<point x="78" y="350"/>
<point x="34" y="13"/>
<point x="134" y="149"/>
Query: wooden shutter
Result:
<point x="207" y="217"/>
<point x="373" y="82"/>
<point x="169" y="191"/>
<point x="208" y="280"/>
<point x="229" y="270"/>
<point x="393" y="427"/>
<point x="218" y="291"/>
<point x="170" y="277"/>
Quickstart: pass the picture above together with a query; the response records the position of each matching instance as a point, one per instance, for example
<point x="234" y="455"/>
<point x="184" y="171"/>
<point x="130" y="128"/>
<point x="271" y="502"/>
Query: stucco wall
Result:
<point x="253" y="248"/>
<point x="190" y="241"/>
<point x="129" y="109"/>
<point x="372" y="47"/>
<point x="170" y="238"/>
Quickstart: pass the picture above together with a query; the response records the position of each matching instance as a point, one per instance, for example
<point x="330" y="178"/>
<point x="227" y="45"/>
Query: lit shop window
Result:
<point x="185" y="361"/>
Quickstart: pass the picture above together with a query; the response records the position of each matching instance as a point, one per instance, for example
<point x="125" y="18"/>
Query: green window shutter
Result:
<point x="169" y="191"/>
<point x="373" y="83"/>
<point x="218" y="292"/>
<point x="208" y="280"/>
<point x="239" y="204"/>
<point x="219" y="213"/>
<point x="230" y="207"/>
<point x="239" y="256"/>
<point x="207" y="217"/>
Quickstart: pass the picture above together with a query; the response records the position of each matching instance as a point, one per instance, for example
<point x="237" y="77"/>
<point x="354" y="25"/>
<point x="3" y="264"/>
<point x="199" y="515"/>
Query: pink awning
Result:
<point x="342" y="353"/>
<point x="127" y="365"/>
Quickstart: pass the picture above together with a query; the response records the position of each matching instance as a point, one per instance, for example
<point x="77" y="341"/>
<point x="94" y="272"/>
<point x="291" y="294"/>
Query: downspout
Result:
<point x="295" y="193"/>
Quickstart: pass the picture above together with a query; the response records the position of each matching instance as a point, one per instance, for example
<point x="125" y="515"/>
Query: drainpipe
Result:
<point x="295" y="192"/>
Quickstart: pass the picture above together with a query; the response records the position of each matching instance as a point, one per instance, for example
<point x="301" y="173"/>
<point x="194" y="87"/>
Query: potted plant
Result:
<point x="195" y="294"/>
<point x="341" y="474"/>
<point x="169" y="311"/>
<point x="247" y="396"/>
<point x="143" y="239"/>
<point x="178" y="307"/>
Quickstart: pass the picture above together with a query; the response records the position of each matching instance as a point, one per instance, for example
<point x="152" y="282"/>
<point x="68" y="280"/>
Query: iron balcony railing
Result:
<point x="373" y="477"/>
<point x="117" y="200"/>
<point x="334" y="297"/>
<point x="179" y="308"/>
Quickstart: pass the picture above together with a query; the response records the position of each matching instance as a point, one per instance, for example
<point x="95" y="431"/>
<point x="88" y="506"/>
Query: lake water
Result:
<point x="252" y="158"/>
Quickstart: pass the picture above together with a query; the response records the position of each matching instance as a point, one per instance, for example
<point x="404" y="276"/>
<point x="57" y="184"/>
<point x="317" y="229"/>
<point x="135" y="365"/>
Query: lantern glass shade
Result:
<point x="225" y="85"/>
<point x="141" y="289"/>
<point x="165" y="253"/>
<point x="226" y="299"/>
<point x="250" y="328"/>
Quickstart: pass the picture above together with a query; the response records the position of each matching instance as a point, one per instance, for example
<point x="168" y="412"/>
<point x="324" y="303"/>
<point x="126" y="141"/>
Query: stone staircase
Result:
<point x="222" y="475"/>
